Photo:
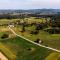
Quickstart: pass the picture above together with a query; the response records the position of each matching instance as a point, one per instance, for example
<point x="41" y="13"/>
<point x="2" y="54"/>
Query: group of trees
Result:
<point x="13" y="16"/>
<point x="22" y="15"/>
<point x="54" y="24"/>
<point x="54" y="21"/>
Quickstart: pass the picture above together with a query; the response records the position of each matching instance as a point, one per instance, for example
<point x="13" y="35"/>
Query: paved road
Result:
<point x="33" y="42"/>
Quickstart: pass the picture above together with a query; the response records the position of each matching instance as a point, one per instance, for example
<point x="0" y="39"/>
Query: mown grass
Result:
<point x="33" y="20"/>
<point x="7" y="52"/>
<point x="53" y="56"/>
<point x="7" y="21"/>
<point x="28" y="20"/>
<point x="3" y="48"/>
<point x="20" y="48"/>
<point x="52" y="40"/>
<point x="17" y="48"/>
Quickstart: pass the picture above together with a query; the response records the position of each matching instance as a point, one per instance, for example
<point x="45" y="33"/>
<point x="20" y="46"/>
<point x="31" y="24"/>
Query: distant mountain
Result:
<point x="33" y="11"/>
<point x="43" y="11"/>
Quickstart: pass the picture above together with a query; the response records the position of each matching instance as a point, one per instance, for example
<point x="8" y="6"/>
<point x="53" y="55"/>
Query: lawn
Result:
<point x="53" y="56"/>
<point x="7" y="52"/>
<point x="16" y="48"/>
<point x="20" y="48"/>
<point x="52" y="40"/>
<point x="7" y="21"/>
<point x="5" y="30"/>
<point x="3" y="48"/>
<point x="33" y="20"/>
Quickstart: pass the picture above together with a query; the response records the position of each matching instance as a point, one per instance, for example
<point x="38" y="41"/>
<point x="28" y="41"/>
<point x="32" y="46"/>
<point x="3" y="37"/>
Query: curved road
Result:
<point x="32" y="41"/>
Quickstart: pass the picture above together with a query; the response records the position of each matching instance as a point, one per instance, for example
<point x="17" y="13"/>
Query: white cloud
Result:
<point x="28" y="4"/>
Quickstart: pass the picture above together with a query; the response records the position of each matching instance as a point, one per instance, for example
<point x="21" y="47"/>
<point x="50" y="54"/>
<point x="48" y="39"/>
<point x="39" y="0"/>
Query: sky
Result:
<point x="29" y="4"/>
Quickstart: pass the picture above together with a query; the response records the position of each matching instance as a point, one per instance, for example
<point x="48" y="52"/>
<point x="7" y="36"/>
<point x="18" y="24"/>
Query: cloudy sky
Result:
<point x="29" y="4"/>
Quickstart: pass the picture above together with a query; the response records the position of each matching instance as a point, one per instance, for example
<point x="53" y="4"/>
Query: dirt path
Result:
<point x="2" y="57"/>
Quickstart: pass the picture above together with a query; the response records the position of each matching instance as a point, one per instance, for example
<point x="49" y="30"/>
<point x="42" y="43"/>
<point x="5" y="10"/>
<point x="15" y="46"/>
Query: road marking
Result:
<point x="32" y="41"/>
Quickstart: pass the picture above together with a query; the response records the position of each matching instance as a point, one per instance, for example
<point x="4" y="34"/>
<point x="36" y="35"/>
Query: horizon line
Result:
<point x="30" y="9"/>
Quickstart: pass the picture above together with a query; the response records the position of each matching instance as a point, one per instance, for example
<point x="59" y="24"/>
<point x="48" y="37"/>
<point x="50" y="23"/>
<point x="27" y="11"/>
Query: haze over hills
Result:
<point x="32" y="11"/>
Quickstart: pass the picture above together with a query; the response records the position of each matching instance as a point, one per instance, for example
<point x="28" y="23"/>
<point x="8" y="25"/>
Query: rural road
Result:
<point x="2" y="56"/>
<point x="32" y="41"/>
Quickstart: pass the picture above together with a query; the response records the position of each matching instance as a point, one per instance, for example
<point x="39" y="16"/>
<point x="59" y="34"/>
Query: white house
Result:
<point x="11" y="25"/>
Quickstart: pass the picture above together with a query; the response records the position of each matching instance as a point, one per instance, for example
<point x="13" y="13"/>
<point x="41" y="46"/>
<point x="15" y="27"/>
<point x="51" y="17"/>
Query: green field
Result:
<point x="17" y="48"/>
<point x="7" y="21"/>
<point x="52" y="40"/>
<point x="28" y="20"/>
<point x="53" y="56"/>
<point x="7" y="52"/>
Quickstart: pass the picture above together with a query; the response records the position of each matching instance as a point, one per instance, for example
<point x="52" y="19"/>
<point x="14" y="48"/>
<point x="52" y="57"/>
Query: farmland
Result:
<point x="51" y="40"/>
<point x="20" y="48"/>
<point x="17" y="48"/>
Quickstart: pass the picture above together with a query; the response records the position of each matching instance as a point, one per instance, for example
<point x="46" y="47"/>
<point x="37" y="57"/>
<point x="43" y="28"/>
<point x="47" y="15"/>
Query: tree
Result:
<point x="39" y="26"/>
<point x="23" y="27"/>
<point x="35" y="32"/>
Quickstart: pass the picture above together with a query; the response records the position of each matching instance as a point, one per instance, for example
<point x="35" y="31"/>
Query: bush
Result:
<point x="5" y="36"/>
<point x="39" y="27"/>
<point x="53" y="31"/>
<point x="35" y="32"/>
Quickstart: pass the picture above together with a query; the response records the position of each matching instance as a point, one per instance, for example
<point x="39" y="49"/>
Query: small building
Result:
<point x="38" y="41"/>
<point x="11" y="25"/>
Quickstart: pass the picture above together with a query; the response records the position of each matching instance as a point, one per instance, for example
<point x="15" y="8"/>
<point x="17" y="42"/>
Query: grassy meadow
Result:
<point x="17" y="48"/>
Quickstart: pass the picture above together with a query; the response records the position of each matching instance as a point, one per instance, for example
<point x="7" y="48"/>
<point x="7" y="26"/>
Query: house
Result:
<point x="11" y="25"/>
<point x="38" y="41"/>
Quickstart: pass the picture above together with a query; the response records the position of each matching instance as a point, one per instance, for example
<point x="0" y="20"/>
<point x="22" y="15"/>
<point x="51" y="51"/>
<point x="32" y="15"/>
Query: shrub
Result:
<point x="35" y="32"/>
<point x="5" y="36"/>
